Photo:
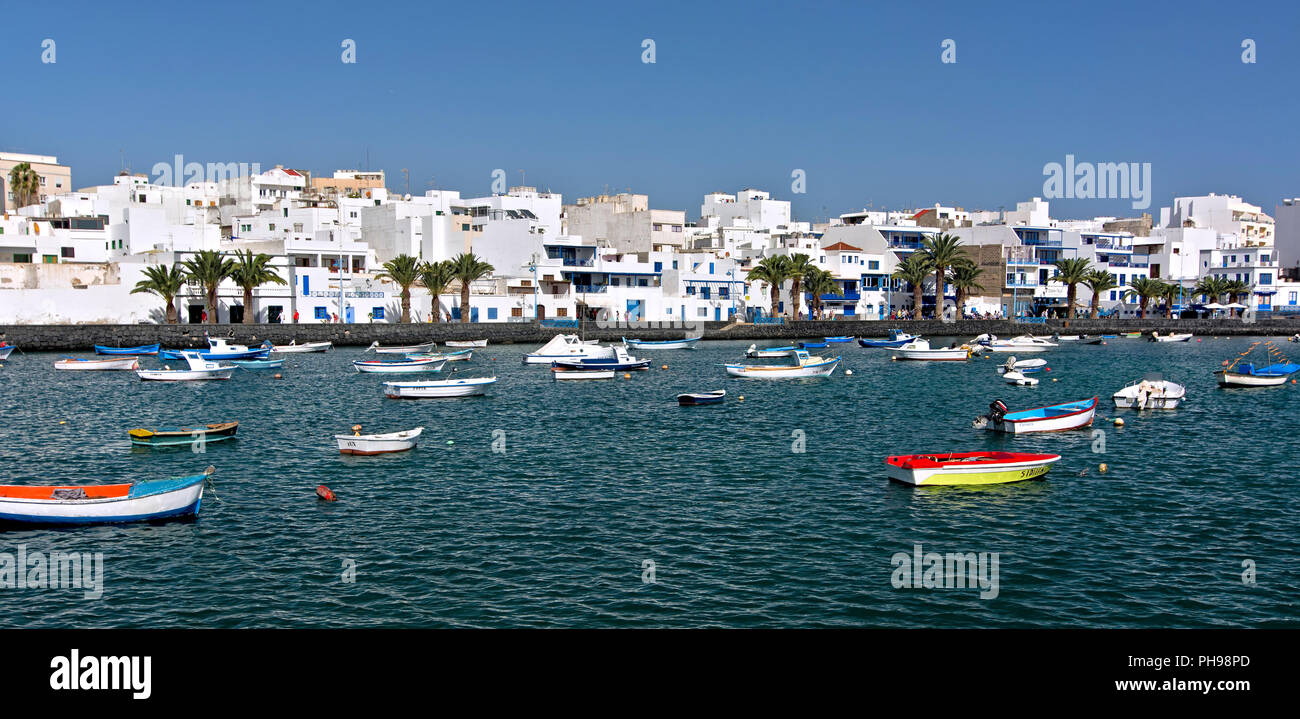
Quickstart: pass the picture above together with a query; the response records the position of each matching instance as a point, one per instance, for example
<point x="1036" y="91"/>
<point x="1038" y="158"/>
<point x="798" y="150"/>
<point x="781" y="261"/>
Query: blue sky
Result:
<point x="741" y="94"/>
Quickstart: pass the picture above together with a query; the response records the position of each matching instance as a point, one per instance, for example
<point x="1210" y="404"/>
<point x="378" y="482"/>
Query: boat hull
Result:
<point x="1236" y="379"/>
<point x="130" y="363"/>
<point x="999" y="468"/>
<point x="820" y="369"/>
<point x="438" y="388"/>
<point x="366" y="445"/>
<point x="1150" y="395"/>
<point x="467" y="343"/>
<point x="132" y="503"/>
<point x="664" y="345"/>
<point x="1057" y="418"/>
<point x="259" y="364"/>
<point x="939" y="355"/>
<point x="883" y="343"/>
<point x="215" y="356"/>
<point x="6" y="351"/>
<point x="185" y="375"/>
<point x="564" y="373"/>
<point x="692" y="399"/>
<point x="306" y="347"/>
<point x="183" y="436"/>
<point x="371" y="366"/>
<point x="141" y="350"/>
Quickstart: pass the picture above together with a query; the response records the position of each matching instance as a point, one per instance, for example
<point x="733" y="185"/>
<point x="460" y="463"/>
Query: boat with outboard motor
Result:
<point x="1052" y="418"/>
<point x="897" y="338"/>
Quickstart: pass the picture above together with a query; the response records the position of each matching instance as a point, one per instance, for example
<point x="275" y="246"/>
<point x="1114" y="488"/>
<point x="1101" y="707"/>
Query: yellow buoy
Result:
<point x="1102" y="468"/>
<point x="663" y="366"/>
<point x="627" y="375"/>
<point x="63" y="421"/>
<point x="1119" y="422"/>
<point x="742" y="398"/>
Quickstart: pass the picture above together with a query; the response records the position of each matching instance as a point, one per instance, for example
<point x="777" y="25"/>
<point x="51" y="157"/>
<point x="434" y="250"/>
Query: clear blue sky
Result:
<point x="741" y="94"/>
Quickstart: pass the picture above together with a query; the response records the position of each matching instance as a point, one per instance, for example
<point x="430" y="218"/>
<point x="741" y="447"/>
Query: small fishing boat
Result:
<point x="920" y="350"/>
<point x="103" y="503"/>
<point x="897" y="338"/>
<point x="1053" y="418"/>
<point x="1175" y="337"/>
<point x="6" y="349"/>
<point x="141" y="350"/>
<point x="368" y="444"/>
<point x="620" y="362"/>
<point x="1131" y="335"/>
<point x="294" y="347"/>
<point x="955" y="468"/>
<point x="199" y="369"/>
<point x="691" y="399"/>
<point x="1239" y="374"/>
<point x="769" y="352"/>
<point x="1066" y="338"/>
<point x="570" y="373"/>
<point x="682" y="344"/>
<point x="466" y="343"/>
<point x="1150" y="393"/>
<point x="400" y="366"/>
<point x="457" y="356"/>
<point x="838" y="340"/>
<point x="805" y="365"/>
<point x="401" y="350"/>
<point x="1023" y="343"/>
<point x="438" y="388"/>
<point x="1095" y="340"/>
<point x="77" y="363"/>
<point x="220" y="348"/>
<point x="1028" y="366"/>
<point x="258" y="363"/>
<point x="567" y="347"/>
<point x="813" y="345"/>
<point x="176" y="436"/>
<point x="1016" y="378"/>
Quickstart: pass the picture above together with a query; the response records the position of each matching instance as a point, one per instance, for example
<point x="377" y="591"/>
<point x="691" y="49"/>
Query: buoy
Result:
<point x="64" y="421"/>
<point x="627" y="375"/>
<point x="1119" y="422"/>
<point x="1047" y="369"/>
<point x="451" y="442"/>
<point x="1102" y="468"/>
<point x="277" y="375"/>
<point x="742" y="398"/>
<point x="1053" y="379"/>
<point x="663" y="366"/>
<point x="326" y="493"/>
<point x="849" y="372"/>
<point x="356" y="430"/>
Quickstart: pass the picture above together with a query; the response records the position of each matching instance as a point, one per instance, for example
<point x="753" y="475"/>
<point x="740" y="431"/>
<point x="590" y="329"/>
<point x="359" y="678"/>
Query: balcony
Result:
<point x="590" y="288"/>
<point x="578" y="262"/>
<point x="1127" y="263"/>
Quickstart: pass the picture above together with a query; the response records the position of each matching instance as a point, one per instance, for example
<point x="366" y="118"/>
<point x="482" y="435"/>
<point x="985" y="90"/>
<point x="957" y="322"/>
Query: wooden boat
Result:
<point x="1150" y="393"/>
<point x="400" y="366"/>
<point x="77" y="363"/>
<point x="1053" y="418"/>
<point x="1239" y="374"/>
<point x="1018" y="379"/>
<point x="571" y="373"/>
<point x="141" y="350"/>
<point x="955" y="468"/>
<point x="368" y="444"/>
<point x="682" y="344"/>
<point x="220" y="348"/>
<point x="1094" y="341"/>
<point x="691" y="399"/>
<point x="402" y="350"/>
<point x="838" y="340"/>
<point x="567" y="347"/>
<point x="466" y="343"/>
<point x="769" y="352"/>
<point x="897" y="338"/>
<point x="258" y="363"/>
<point x="1023" y="343"/>
<point x="103" y="503"/>
<point x="1175" y="337"/>
<point x="457" y="356"/>
<point x="813" y="345"/>
<point x="621" y="362"/>
<point x="466" y="387"/>
<point x="294" y="347"/>
<point x="920" y="350"/>
<point x="1028" y="366"/>
<point x="1131" y="335"/>
<point x="6" y="350"/>
<point x="176" y="436"/>
<point x="805" y="365"/>
<point x="199" y="369"/>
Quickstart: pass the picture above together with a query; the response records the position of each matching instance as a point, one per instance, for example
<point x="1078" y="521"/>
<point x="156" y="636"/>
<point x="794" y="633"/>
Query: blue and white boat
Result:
<point x="691" y="399"/>
<point x="220" y="348"/>
<point x="568" y="347"/>
<point x="813" y="345"/>
<point x="141" y="350"/>
<point x="682" y="344"/>
<point x="103" y="503"/>
<point x="621" y="361"/>
<point x="838" y="340"/>
<point x="805" y="365"/>
<point x="785" y="351"/>
<point x="1246" y="374"/>
<point x="1053" y="418"/>
<point x="897" y="338"/>
<point x="257" y="363"/>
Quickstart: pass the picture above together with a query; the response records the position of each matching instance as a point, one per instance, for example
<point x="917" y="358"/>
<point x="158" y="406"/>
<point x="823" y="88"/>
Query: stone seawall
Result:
<point x="84" y="337"/>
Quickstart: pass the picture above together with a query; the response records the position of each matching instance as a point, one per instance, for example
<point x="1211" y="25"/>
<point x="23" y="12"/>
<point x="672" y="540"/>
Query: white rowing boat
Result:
<point x="199" y="369"/>
<point x="466" y="343"/>
<point x="76" y="363"/>
<point x="399" y="367"/>
<point x="469" y="386"/>
<point x="805" y="365"/>
<point x="368" y="444"/>
<point x="920" y="350"/>
<point x="1150" y="394"/>
<point x="294" y="347"/>
<point x="403" y="350"/>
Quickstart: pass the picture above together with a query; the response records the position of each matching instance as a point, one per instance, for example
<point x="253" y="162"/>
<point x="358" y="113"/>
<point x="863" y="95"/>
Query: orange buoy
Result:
<point x="326" y="494"/>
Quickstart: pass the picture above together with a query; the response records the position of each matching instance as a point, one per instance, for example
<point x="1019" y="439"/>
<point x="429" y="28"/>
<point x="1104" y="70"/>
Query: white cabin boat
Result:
<point x="367" y="444"/>
<point x="1175" y="337"/>
<point x="567" y="347"/>
<point x="469" y="386"/>
<point x="1023" y="343"/>
<point x="294" y="347"/>
<point x="805" y="365"/>
<point x="919" y="349"/>
<point x="199" y="369"/>
<point x="1150" y="394"/>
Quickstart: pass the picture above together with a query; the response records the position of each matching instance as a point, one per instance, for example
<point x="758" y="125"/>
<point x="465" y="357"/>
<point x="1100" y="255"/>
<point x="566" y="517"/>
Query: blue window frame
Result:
<point x="659" y="267"/>
<point x="322" y="313"/>
<point x="377" y="313"/>
<point x="492" y="313"/>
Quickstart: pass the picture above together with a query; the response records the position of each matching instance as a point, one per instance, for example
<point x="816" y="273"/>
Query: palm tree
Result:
<point x="964" y="277"/>
<point x="166" y="282"/>
<point x="436" y="277"/>
<point x="25" y="184"/>
<point x="1098" y="281"/>
<point x="1072" y="271"/>
<point x="1170" y="295"/>
<point x="913" y="270"/>
<point x="819" y="282"/>
<point x="942" y="251"/>
<point x="252" y="271"/>
<point x="772" y="271"/>
<point x="209" y="268"/>
<point x="1144" y="288"/>
<point x="799" y="266"/>
<point x="1211" y="287"/>
<point x="467" y="267"/>
<point x="404" y="271"/>
<point x="1236" y="289"/>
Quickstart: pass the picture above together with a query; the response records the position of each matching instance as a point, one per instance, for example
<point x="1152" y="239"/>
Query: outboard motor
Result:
<point x="997" y="410"/>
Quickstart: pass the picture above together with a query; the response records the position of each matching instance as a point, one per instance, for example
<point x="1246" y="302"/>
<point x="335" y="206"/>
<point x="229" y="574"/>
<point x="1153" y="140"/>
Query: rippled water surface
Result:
<point x="598" y="477"/>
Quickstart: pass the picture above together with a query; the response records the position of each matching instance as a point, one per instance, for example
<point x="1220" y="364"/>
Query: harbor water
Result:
<point x="604" y="504"/>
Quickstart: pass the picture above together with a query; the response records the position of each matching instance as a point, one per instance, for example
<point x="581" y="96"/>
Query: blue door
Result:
<point x="306" y="283"/>
<point x="349" y="314"/>
<point x="717" y="313"/>
<point x="634" y="310"/>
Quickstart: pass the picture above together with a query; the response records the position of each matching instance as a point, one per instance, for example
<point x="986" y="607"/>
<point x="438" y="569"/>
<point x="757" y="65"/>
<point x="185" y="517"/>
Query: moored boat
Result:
<point x="1175" y="337"/>
<point x="465" y="387"/>
<point x="957" y="468"/>
<point x="6" y="349"/>
<point x="294" y="347"/>
<point x="457" y="356"/>
<point x="1150" y="393"/>
<point x="175" y="436"/>
<point x="401" y="349"/>
<point x="140" y="350"/>
<point x="897" y="338"/>
<point x="77" y="363"/>
<point x="1016" y="378"/>
<point x="1023" y="343"/>
<point x="400" y="366"/>
<point x="1094" y="340"/>
<point x="838" y="340"/>
<point x="571" y="373"/>
<point x="920" y="350"/>
<point x="813" y="345"/>
<point x="1246" y="374"/>
<point x="258" y="363"/>
<point x="805" y="365"/>
<point x="682" y="344"/>
<point x="567" y="347"/>
<point x="1052" y="418"/>
<point x="370" y="444"/>
<point x="1028" y="366"/>
<point x="220" y="348"/>
<point x="690" y="399"/>
<point x="1131" y="335"/>
<point x="466" y="343"/>
<point x="103" y="503"/>
<point x="620" y="362"/>
<point x="769" y="352"/>
<point x="198" y="369"/>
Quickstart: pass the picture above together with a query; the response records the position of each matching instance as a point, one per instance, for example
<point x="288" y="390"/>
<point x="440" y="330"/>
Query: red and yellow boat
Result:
<point x="953" y="468"/>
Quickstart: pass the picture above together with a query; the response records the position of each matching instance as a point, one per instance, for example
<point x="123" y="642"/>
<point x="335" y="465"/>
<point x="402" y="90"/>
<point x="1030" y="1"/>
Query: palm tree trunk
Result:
<point x="437" y="316"/>
<point x="794" y="297"/>
<point x="938" y="291"/>
<point x="464" y="302"/>
<point x="1095" y="309"/>
<point x="918" y="300"/>
<point x="248" y="306"/>
<point x="173" y="315"/>
<point x="406" y="305"/>
<point x="1069" y="303"/>
<point x="212" y="306"/>
<point x="775" y="294"/>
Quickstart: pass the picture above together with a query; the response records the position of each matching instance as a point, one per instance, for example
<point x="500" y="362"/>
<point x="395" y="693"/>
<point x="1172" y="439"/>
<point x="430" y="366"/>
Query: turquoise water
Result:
<point x="598" y="477"/>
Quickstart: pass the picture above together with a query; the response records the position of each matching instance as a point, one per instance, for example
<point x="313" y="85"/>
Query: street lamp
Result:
<point x="532" y="266"/>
